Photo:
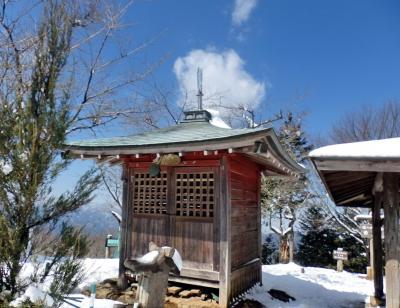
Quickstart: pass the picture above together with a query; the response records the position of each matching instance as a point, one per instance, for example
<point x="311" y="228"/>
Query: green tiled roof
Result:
<point x="181" y="133"/>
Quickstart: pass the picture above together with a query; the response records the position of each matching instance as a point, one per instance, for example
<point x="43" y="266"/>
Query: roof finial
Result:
<point x="200" y="88"/>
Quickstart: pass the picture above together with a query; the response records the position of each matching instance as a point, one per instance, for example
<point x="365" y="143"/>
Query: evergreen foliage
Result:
<point x="293" y="138"/>
<point x="282" y="197"/>
<point x="358" y="260"/>
<point x="34" y="119"/>
<point x="270" y="252"/>
<point x="320" y="238"/>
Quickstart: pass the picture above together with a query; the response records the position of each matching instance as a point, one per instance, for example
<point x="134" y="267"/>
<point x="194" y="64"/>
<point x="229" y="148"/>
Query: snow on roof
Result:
<point x="216" y="119"/>
<point x="374" y="149"/>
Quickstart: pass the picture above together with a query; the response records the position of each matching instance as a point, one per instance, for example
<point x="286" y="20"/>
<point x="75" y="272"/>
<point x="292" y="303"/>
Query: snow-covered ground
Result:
<point x="96" y="270"/>
<point x="315" y="288"/>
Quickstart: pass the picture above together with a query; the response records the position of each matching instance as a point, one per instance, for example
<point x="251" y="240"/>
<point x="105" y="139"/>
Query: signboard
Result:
<point x="112" y="242"/>
<point x="366" y="230"/>
<point x="340" y="255"/>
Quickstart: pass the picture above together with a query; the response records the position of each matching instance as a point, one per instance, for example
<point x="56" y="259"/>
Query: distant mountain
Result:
<point x="95" y="218"/>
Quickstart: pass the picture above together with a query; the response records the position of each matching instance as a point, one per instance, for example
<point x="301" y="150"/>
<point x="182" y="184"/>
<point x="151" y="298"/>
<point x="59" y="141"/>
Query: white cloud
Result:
<point x="242" y="10"/>
<point x="226" y="83"/>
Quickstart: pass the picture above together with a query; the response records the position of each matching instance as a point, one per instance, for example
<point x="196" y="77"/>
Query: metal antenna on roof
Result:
<point x="200" y="88"/>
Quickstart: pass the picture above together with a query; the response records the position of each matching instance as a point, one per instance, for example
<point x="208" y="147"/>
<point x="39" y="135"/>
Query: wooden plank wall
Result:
<point x="194" y="239"/>
<point x="244" y="211"/>
<point x="245" y="277"/>
<point x="245" y="225"/>
<point x="146" y="229"/>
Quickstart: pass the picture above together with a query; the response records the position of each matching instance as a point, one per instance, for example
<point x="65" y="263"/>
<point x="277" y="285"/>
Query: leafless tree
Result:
<point x="368" y="123"/>
<point x="97" y="49"/>
<point x="57" y="76"/>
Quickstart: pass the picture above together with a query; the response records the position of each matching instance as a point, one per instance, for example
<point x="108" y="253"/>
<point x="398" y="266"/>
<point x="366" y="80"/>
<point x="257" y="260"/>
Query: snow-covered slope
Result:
<point x="96" y="270"/>
<point x="315" y="288"/>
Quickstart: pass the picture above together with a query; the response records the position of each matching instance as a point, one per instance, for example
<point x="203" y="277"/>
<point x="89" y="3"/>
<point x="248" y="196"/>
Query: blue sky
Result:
<point x="335" y="55"/>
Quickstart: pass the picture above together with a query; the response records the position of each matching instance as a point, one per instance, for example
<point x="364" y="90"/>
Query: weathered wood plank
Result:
<point x="358" y="165"/>
<point x="216" y="220"/>
<point x="392" y="239"/>
<point x="225" y="235"/>
<point x="197" y="273"/>
<point x="259" y="232"/>
<point x="171" y="211"/>
<point x="245" y="277"/>
<point x="122" y="281"/>
<point x="146" y="229"/>
<point x="197" y="282"/>
<point x="244" y="204"/>
<point x="245" y="226"/>
<point x="195" y="241"/>
<point x="377" y="245"/>
<point x="345" y="177"/>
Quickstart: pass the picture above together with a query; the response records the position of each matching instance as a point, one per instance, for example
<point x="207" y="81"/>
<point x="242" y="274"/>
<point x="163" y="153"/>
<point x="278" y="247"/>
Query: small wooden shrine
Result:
<point x="195" y="187"/>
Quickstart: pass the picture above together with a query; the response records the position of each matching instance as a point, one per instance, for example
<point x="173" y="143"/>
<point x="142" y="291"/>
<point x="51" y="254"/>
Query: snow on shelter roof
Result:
<point x="349" y="170"/>
<point x="373" y="149"/>
<point x="194" y="133"/>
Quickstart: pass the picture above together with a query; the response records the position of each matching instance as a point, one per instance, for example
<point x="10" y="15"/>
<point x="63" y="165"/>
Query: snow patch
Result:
<point x="216" y="119"/>
<point x="149" y="257"/>
<point x="98" y="303"/>
<point x="96" y="270"/>
<point x="315" y="288"/>
<point x="384" y="148"/>
<point x="6" y="167"/>
<point x="176" y="257"/>
<point x="34" y="293"/>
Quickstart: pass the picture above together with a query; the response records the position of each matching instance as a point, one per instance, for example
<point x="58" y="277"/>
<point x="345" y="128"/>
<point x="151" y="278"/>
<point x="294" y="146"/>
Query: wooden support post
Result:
<point x="259" y="226"/>
<point x="339" y="265"/>
<point x="370" y="268"/>
<point x="225" y="236"/>
<point x="107" y="254"/>
<point x="340" y="255"/>
<point x="376" y="251"/>
<point x="123" y="253"/>
<point x="392" y="238"/>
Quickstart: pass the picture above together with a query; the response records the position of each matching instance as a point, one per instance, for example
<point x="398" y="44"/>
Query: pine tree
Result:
<point x="270" y="253"/>
<point x="293" y="138"/>
<point x="318" y="239"/>
<point x="282" y="197"/>
<point x="34" y="119"/>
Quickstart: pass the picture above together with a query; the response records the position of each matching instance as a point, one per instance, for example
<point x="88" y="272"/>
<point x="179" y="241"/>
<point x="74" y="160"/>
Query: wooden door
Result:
<point x="150" y="219"/>
<point x="194" y="198"/>
<point x="178" y="208"/>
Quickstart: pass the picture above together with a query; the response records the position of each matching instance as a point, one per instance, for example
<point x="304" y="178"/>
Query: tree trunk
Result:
<point x="284" y="249"/>
<point x="291" y="246"/>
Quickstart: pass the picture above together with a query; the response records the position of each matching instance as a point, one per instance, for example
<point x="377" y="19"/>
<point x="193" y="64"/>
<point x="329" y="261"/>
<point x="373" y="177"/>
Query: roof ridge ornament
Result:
<point x="200" y="88"/>
<point x="197" y="116"/>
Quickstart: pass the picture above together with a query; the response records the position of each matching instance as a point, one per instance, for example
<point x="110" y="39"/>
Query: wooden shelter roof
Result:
<point x="349" y="170"/>
<point x="195" y="133"/>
